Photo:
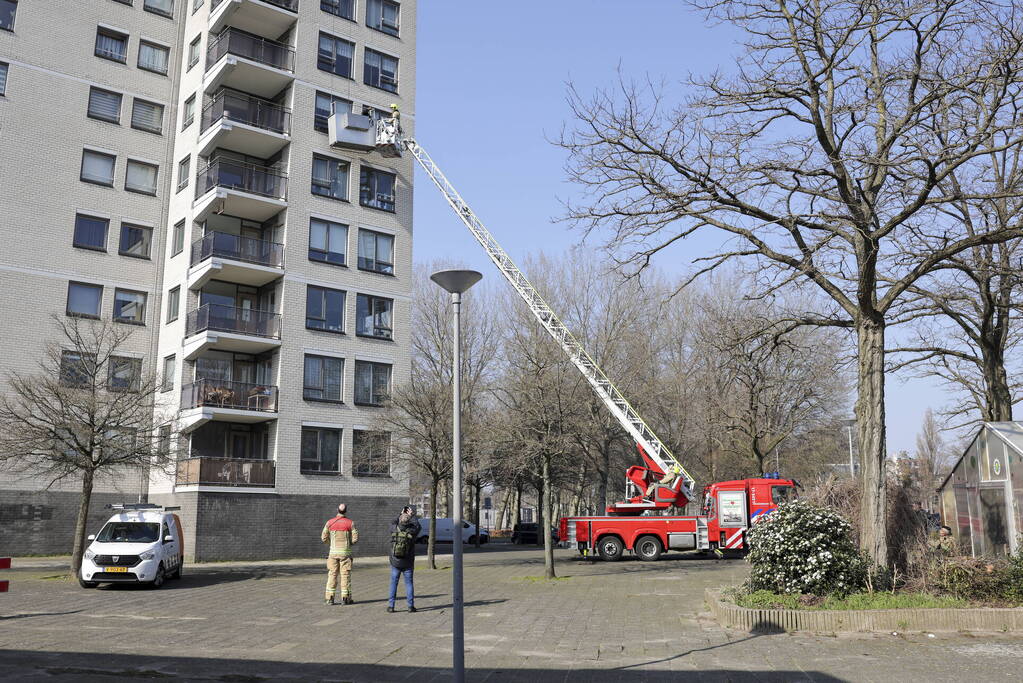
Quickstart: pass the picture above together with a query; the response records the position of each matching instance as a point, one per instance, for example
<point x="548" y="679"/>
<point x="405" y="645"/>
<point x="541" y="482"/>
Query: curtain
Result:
<point x="84" y="299"/>
<point x="105" y="105"/>
<point x="161" y="6"/>
<point x="153" y="58"/>
<point x="91" y="232"/>
<point x="147" y="115"/>
<point x="141" y="177"/>
<point x="111" y="46"/>
<point x="98" y="167"/>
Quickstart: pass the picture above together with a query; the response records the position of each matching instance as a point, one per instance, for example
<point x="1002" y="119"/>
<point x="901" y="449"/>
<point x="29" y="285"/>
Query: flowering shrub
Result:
<point x="804" y="548"/>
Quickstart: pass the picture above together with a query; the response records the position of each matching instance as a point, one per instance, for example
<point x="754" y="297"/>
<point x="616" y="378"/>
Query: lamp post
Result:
<point x="456" y="282"/>
<point x="852" y="465"/>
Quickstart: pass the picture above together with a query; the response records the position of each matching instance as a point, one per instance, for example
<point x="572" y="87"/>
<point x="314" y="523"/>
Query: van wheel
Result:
<point x="177" y="572"/>
<point x="423" y="540"/>
<point x="87" y="584"/>
<point x="648" y="548"/>
<point x="160" y="577"/>
<point x="472" y="540"/>
<point x="611" y="548"/>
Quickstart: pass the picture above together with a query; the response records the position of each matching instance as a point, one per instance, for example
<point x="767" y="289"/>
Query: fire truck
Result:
<point x="637" y="524"/>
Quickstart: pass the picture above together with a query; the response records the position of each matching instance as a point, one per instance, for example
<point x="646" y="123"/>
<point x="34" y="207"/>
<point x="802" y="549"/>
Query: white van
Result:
<point x="444" y="531"/>
<point x="142" y="543"/>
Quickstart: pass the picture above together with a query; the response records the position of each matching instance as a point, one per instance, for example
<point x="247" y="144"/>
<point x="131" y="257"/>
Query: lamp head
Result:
<point x="456" y="281"/>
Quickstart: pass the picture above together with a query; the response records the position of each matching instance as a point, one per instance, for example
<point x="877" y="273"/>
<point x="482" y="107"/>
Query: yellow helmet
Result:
<point x="394" y="105"/>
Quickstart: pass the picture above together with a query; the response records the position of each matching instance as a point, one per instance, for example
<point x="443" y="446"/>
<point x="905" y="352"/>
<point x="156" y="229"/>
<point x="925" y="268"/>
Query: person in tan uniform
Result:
<point x="341" y="533"/>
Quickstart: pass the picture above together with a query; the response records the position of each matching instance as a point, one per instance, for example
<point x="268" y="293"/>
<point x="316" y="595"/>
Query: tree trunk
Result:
<point x="478" y="490"/>
<point x="80" y="525"/>
<point x="870" y="424"/>
<point x="431" y="539"/>
<point x="998" y="396"/>
<point x="518" y="505"/>
<point x="502" y="513"/>
<point x="545" y="505"/>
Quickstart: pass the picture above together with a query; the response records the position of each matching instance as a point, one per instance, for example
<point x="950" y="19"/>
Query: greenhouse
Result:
<point x="982" y="498"/>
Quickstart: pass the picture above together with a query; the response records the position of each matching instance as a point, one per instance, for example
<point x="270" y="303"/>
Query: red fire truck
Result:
<point x="729" y="506"/>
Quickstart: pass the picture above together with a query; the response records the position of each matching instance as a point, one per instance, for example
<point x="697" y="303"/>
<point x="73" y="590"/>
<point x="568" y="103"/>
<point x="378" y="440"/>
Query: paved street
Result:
<point x="628" y="621"/>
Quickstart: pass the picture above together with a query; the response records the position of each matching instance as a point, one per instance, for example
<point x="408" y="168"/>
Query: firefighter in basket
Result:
<point x="670" y="477"/>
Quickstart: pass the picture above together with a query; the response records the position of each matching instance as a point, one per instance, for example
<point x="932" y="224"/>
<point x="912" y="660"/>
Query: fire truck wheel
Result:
<point x="611" y="548"/>
<point x="648" y="549"/>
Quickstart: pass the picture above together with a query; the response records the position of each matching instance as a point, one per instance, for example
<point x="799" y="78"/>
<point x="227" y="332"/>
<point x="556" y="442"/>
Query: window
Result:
<point x="328" y="241"/>
<point x="380" y="70"/>
<point x="170" y="368"/>
<point x="371" y="454"/>
<point x="330" y="177"/>
<point x="341" y="8"/>
<point x="3" y="78"/>
<point x="383" y="15"/>
<point x="141" y="177"/>
<point x="163" y="7"/>
<point x="8" y="8"/>
<point x="84" y="300"/>
<point x="153" y="57"/>
<point x="324" y="309"/>
<point x="376" y="189"/>
<point x="90" y="232"/>
<point x="179" y="238"/>
<point x="194" y="51"/>
<point x="173" y="304"/>
<point x="135" y="240"/>
<point x="163" y="440"/>
<point x="188" y="113"/>
<point x="104" y="105"/>
<point x="147" y="116"/>
<point x="376" y="252"/>
<point x="183" y="170"/>
<point x="373" y="316"/>
<point x="129" y="306"/>
<point x="111" y="44"/>
<point x="323" y="378"/>
<point x="321" y="450"/>
<point x="335" y="55"/>
<point x="196" y="4"/>
<point x="98" y="167"/>
<point x="326" y="105"/>
<point x="77" y="369"/>
<point x="125" y="374"/>
<point x="372" y="383"/>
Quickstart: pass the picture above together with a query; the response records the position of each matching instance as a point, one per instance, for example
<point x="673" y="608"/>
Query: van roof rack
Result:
<point x="139" y="506"/>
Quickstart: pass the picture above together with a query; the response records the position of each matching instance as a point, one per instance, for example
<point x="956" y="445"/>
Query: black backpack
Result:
<point x="401" y="542"/>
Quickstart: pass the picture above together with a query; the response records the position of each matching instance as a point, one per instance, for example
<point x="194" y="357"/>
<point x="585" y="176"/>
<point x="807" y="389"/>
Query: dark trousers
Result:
<point x="410" y="597"/>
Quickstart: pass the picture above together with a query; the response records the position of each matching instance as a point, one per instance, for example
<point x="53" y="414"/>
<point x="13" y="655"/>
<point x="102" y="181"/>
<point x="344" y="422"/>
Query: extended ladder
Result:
<point x="609" y="395"/>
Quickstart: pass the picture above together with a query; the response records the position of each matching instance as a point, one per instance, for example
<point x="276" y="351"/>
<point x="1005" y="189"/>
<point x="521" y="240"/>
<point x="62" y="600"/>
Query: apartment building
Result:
<point x="166" y="164"/>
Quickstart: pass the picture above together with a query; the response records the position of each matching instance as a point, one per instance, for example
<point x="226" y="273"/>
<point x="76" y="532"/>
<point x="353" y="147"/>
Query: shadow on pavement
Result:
<point x="75" y="666"/>
<point x="38" y="614"/>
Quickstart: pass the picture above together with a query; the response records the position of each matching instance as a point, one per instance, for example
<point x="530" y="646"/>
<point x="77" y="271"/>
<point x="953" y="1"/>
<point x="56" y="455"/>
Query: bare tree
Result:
<point x="88" y="410"/>
<point x="930" y="461"/>
<point x="823" y="159"/>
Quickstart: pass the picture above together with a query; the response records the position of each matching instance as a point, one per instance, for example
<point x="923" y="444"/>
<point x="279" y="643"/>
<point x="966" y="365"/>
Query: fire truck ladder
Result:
<point x="608" y="393"/>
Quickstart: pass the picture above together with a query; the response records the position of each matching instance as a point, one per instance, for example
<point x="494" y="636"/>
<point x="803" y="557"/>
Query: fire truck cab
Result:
<point x="729" y="508"/>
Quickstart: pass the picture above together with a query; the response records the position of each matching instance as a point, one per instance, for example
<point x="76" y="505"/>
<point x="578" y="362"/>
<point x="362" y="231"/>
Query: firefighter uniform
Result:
<point x="341" y="533"/>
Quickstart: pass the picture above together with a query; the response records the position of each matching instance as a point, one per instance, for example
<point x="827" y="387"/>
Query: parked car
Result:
<point x="140" y="544"/>
<point x="445" y="534"/>
<point x="528" y="532"/>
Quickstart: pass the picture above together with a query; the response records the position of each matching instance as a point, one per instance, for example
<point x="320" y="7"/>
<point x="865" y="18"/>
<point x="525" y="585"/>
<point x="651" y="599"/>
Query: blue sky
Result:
<point x="491" y="82"/>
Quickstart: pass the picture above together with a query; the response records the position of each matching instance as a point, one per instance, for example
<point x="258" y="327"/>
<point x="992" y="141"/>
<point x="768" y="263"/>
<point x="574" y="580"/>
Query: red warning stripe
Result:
<point x="5" y="563"/>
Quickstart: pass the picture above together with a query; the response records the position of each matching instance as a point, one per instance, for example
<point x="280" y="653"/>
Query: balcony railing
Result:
<point x="237" y="248"/>
<point x="215" y="393"/>
<point x="290" y="5"/>
<point x="238" y="175"/>
<point x="226" y="472"/>
<point x="223" y="318"/>
<point x="242" y="108"/>
<point x="238" y="43"/>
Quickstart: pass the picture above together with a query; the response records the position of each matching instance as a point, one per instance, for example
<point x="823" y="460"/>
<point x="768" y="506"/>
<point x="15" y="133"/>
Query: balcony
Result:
<point x="268" y="18"/>
<point x="226" y="472"/>
<point x="228" y="328"/>
<point x="220" y="400"/>
<point x="245" y="62"/>
<point x="246" y="124"/>
<point x="239" y="189"/>
<point x="234" y="258"/>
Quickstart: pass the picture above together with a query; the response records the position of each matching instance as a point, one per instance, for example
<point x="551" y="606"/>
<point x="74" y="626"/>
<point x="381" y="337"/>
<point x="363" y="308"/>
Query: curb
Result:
<point x="997" y="619"/>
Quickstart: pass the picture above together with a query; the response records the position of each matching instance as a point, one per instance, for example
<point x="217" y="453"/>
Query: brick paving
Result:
<point x="628" y="621"/>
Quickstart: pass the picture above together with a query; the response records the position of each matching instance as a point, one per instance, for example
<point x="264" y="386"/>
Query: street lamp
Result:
<point x="852" y="465"/>
<point x="456" y="282"/>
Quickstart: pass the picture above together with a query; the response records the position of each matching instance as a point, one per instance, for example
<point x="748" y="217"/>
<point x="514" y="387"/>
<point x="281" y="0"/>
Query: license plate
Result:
<point x="117" y="569"/>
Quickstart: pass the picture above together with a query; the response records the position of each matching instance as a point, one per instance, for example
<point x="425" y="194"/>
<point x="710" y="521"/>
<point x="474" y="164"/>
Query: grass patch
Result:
<point x="540" y="579"/>
<point x="856" y="601"/>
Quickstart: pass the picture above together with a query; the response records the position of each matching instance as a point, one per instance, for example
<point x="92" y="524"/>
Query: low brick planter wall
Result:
<point x="879" y="620"/>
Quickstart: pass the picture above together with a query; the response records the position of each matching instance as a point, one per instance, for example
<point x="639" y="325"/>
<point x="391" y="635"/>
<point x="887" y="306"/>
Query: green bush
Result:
<point x="804" y="548"/>
<point x="855" y="601"/>
<point x="981" y="579"/>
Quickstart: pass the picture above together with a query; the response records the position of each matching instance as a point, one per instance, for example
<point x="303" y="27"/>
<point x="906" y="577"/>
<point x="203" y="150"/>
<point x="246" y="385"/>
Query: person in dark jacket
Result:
<point x="405" y="531"/>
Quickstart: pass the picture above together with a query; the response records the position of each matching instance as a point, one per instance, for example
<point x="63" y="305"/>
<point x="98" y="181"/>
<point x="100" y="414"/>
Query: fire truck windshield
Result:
<point x="782" y="494"/>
